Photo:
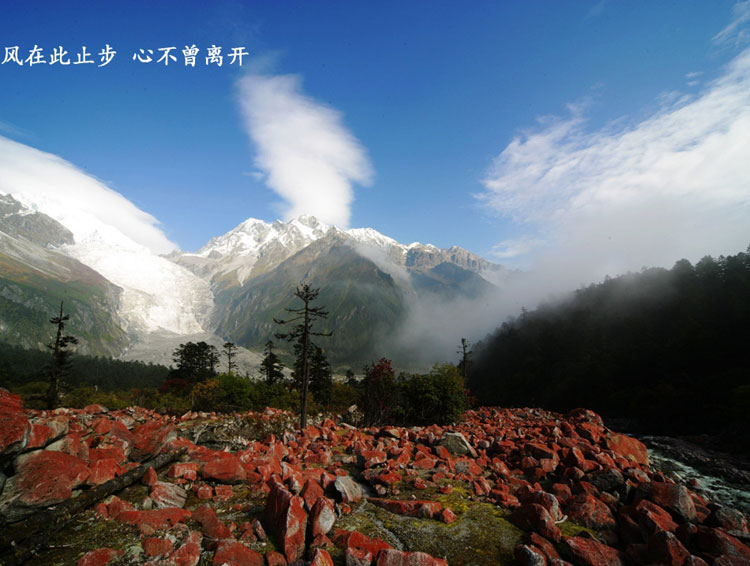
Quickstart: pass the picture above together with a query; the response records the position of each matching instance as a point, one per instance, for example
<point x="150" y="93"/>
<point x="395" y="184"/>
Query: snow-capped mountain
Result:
<point x="230" y="289"/>
<point x="156" y="293"/>
<point x="255" y="247"/>
<point x="373" y="280"/>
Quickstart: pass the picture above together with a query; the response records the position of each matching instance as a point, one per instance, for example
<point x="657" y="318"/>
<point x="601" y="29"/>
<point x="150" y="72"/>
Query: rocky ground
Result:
<point x="94" y="487"/>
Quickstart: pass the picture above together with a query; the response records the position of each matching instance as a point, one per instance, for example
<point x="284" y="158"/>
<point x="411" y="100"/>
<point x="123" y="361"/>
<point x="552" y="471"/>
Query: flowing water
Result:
<point x="713" y="488"/>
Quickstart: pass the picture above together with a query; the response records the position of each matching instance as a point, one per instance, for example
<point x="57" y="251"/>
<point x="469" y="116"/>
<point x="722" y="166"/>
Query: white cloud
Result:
<point x="309" y="157"/>
<point x="512" y="248"/>
<point x="83" y="204"/>
<point x="736" y="33"/>
<point x="676" y="184"/>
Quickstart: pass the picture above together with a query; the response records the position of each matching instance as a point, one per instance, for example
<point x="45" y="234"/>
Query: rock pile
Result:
<point x="579" y="493"/>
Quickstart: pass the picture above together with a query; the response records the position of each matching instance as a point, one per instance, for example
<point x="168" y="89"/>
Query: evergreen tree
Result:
<point x="321" y="377"/>
<point x="195" y="362"/>
<point x="305" y="316"/>
<point x="60" y="365"/>
<point x="464" y="362"/>
<point x="271" y="367"/>
<point x="230" y="350"/>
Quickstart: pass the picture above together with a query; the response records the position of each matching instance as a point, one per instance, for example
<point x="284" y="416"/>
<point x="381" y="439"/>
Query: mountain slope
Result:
<point x="368" y="282"/>
<point x="34" y="279"/>
<point x="363" y="300"/>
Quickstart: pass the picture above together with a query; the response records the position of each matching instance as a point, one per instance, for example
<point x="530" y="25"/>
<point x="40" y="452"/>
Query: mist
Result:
<point x="589" y="203"/>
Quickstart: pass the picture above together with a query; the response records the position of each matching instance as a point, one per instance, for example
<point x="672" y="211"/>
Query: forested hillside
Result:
<point x="666" y="347"/>
<point x="19" y="366"/>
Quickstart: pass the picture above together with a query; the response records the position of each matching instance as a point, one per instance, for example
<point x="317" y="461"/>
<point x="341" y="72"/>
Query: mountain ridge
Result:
<point x="238" y="282"/>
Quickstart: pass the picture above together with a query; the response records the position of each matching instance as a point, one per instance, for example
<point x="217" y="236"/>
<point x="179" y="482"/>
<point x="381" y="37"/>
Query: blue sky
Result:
<point x="518" y="130"/>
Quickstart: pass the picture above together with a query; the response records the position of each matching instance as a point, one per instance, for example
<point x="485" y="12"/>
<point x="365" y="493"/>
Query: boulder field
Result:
<point x="502" y="486"/>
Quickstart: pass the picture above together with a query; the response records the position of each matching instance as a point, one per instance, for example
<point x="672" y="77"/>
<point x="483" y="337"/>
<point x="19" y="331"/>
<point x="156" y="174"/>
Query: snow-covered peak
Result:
<point x="251" y="236"/>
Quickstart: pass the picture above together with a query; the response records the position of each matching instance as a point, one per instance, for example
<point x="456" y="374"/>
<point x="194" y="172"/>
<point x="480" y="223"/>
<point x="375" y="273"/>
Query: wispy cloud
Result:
<point x="738" y="30"/>
<point x="308" y="156"/>
<point x="676" y="184"/>
<point x="82" y="203"/>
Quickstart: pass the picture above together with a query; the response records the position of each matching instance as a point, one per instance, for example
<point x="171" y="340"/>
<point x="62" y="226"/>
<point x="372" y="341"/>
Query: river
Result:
<point x="671" y="462"/>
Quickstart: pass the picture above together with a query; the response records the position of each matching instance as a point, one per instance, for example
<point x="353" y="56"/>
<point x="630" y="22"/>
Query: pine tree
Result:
<point x="230" y="350"/>
<point x="271" y="367"/>
<point x="301" y="333"/>
<point x="60" y="365"/>
<point x="195" y="361"/>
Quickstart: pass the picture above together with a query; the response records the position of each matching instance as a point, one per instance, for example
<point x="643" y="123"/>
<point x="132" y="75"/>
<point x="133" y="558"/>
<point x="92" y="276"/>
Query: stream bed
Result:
<point x="719" y="478"/>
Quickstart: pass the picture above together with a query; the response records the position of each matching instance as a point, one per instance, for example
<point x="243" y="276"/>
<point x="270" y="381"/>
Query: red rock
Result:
<point x="154" y="518"/>
<point x="561" y="491"/>
<point x="72" y="444"/>
<point x="322" y="517"/>
<point x="166" y="494"/>
<point x="321" y="458"/>
<point x="716" y="542"/>
<point x="102" y="471"/>
<point x="150" y="438"/>
<point x="149" y="477"/>
<point x="588" y="552"/>
<point x="447" y="516"/>
<point x="589" y="512"/>
<point x="574" y="458"/>
<point x="481" y="487"/>
<point x="187" y="470"/>
<point x="233" y="553"/>
<point x="665" y="548"/>
<point x="673" y="497"/>
<point x="370" y="458"/>
<point x="628" y="447"/>
<point x="274" y="558"/>
<point x="728" y="519"/>
<point x="48" y="477"/>
<point x="546" y="500"/>
<point x="311" y="492"/>
<point x="545" y="546"/>
<point x="15" y="428"/>
<point x="348" y="489"/>
<point x="115" y="506"/>
<point x="203" y="491"/>
<point x="321" y="541"/>
<point x="38" y="435"/>
<point x="285" y="516"/>
<point x="353" y="539"/>
<point x="211" y="526"/>
<point x="391" y="557"/>
<point x="155" y="546"/>
<point x="321" y="558"/>
<point x="227" y="470"/>
<point x="99" y="557"/>
<point x="189" y="554"/>
<point x="358" y="557"/>
<point x="534" y="517"/>
<point x="653" y="518"/>
<point x="223" y="492"/>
